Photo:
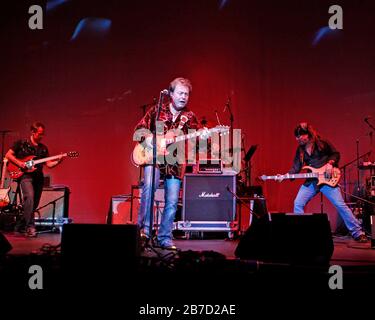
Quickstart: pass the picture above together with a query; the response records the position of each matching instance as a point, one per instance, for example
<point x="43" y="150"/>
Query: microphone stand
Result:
<point x="358" y="188"/>
<point x="154" y="153"/>
<point x="243" y="202"/>
<point x="143" y="107"/>
<point x="231" y="119"/>
<point x="370" y="133"/>
<point x="369" y="124"/>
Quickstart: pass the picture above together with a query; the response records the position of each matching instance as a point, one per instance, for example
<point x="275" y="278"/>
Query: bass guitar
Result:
<point x="324" y="176"/>
<point x="16" y="172"/>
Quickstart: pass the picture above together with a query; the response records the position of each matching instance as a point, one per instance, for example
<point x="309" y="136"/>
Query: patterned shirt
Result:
<point x="166" y="116"/>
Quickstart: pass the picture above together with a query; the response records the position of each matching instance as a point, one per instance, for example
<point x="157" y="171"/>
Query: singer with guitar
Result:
<point x="321" y="157"/>
<point x="174" y="114"/>
<point x="31" y="181"/>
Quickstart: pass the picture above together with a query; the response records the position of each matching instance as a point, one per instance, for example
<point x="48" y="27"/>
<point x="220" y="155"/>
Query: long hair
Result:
<point x="306" y="128"/>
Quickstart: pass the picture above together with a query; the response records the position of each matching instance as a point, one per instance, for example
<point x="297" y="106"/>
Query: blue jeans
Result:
<point x="171" y="193"/>
<point x="31" y="188"/>
<point x="306" y="193"/>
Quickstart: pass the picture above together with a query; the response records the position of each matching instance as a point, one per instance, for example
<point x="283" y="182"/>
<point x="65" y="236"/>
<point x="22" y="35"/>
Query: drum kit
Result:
<point x="370" y="179"/>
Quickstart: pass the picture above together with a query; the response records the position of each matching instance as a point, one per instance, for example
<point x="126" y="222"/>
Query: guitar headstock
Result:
<point x="206" y="133"/>
<point x="223" y="130"/>
<point x="72" y="154"/>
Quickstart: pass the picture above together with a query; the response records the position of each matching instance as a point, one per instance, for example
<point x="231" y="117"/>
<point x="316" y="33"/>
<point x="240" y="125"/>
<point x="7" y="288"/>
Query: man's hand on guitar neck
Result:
<point x="52" y="164"/>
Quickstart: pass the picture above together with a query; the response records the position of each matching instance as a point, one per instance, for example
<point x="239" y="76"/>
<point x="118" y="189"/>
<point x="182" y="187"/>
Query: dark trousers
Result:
<point x="31" y="188"/>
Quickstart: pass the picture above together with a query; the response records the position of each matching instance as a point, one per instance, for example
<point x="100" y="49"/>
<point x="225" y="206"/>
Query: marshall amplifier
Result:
<point x="208" y="203"/>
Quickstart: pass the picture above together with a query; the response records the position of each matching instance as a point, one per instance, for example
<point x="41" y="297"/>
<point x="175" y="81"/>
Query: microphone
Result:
<point x="165" y="92"/>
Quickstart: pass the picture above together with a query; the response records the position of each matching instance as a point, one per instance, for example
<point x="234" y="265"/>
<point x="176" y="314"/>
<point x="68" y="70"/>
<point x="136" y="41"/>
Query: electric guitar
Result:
<point x="4" y="192"/>
<point x="16" y="172"/>
<point x="143" y="154"/>
<point x="330" y="178"/>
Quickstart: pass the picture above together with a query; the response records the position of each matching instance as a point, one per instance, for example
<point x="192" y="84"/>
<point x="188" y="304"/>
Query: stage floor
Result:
<point x="197" y="262"/>
<point x="347" y="252"/>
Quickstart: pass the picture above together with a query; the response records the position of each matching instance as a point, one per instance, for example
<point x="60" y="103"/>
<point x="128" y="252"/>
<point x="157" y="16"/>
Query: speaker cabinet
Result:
<point x="119" y="210"/>
<point x="124" y="208"/>
<point x="288" y="238"/>
<point x="54" y="202"/>
<point x="5" y="246"/>
<point x="99" y="246"/>
<point x="208" y="197"/>
<point x="208" y="204"/>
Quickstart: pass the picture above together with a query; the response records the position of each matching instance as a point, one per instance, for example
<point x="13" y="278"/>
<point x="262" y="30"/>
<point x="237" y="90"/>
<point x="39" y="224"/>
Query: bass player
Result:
<point x="316" y="152"/>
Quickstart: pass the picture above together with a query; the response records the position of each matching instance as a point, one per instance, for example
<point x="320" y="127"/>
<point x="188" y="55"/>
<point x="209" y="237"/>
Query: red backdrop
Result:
<point x="89" y="92"/>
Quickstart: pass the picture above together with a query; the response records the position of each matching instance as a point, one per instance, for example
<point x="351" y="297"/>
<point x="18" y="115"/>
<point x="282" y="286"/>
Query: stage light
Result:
<point x="91" y="28"/>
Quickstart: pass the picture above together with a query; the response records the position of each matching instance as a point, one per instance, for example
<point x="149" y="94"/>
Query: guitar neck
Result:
<point x="49" y="159"/>
<point x="295" y="176"/>
<point x="184" y="137"/>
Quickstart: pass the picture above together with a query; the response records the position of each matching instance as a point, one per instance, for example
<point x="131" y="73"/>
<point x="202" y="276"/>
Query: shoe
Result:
<point x="167" y="244"/>
<point x="362" y="238"/>
<point x="31" y="232"/>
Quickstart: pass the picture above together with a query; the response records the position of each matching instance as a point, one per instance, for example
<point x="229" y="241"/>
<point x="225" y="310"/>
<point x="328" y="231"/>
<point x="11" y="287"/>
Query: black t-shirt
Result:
<point x="24" y="148"/>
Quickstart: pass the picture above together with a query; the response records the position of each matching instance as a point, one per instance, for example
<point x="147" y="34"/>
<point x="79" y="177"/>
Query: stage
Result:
<point x="347" y="252"/>
<point x="197" y="261"/>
